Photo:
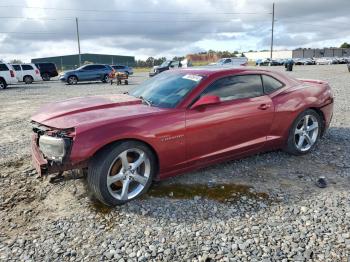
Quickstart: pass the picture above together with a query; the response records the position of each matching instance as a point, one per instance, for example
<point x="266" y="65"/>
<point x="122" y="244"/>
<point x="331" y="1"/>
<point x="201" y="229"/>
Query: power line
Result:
<point x="119" y="20"/>
<point x="128" y="11"/>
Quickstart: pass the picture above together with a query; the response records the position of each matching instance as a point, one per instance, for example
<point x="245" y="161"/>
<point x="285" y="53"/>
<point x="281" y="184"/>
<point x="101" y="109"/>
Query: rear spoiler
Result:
<point x="313" y="81"/>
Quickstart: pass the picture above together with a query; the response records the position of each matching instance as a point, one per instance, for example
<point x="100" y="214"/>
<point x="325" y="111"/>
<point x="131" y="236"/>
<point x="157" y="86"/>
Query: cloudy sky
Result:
<point x="38" y="28"/>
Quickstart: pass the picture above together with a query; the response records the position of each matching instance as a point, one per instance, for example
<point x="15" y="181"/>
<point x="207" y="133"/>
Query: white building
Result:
<point x="253" y="56"/>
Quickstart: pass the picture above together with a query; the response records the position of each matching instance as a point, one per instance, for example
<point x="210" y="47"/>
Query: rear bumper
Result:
<point x="45" y="167"/>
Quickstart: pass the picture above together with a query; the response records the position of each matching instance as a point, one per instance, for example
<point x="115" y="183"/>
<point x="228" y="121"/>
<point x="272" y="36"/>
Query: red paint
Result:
<point x="188" y="136"/>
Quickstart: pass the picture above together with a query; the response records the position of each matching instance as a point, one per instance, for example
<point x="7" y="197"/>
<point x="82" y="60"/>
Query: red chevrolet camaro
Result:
<point x="176" y="122"/>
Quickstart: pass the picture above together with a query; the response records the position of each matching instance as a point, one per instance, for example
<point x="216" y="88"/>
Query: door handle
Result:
<point x="264" y="106"/>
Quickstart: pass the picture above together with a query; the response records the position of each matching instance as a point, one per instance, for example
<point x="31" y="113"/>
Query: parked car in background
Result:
<point x="265" y="62"/>
<point x="123" y="69"/>
<point x="214" y="114"/>
<point x="231" y="61"/>
<point x="91" y="72"/>
<point x="7" y="75"/>
<point x="324" y="61"/>
<point x="27" y="73"/>
<point x="166" y="65"/>
<point x="47" y="70"/>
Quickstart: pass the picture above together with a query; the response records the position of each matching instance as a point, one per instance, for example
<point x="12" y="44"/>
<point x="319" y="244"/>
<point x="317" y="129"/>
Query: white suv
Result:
<point x="7" y="75"/>
<point x="27" y="73"/>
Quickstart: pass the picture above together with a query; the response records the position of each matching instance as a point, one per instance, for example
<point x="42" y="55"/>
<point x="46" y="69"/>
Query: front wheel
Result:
<point x="72" y="80"/>
<point x="121" y="172"/>
<point x="304" y="133"/>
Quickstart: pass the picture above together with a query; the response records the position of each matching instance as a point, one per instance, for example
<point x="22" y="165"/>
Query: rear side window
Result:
<point x="236" y="87"/>
<point x="27" y="67"/>
<point x="3" y="67"/>
<point x="17" y="67"/>
<point x="100" y="67"/>
<point x="271" y="84"/>
<point x="89" y="67"/>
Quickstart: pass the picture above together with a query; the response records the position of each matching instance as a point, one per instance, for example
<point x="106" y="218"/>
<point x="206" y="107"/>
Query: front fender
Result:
<point x="87" y="143"/>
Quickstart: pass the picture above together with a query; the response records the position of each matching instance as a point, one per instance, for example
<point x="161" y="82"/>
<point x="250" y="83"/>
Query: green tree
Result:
<point x="345" y="45"/>
<point x="16" y="61"/>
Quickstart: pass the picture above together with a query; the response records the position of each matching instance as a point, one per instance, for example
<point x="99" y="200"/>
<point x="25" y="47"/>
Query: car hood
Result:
<point x="68" y="72"/>
<point x="85" y="111"/>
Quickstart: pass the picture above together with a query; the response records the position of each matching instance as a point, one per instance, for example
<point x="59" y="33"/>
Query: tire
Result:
<point x="45" y="77"/>
<point x="28" y="79"/>
<point x="109" y="161"/>
<point x="304" y="133"/>
<point x="105" y="79"/>
<point x="3" y="84"/>
<point x="72" y="80"/>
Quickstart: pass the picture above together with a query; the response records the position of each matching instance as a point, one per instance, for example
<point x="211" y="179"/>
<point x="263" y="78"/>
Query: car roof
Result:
<point x="211" y="70"/>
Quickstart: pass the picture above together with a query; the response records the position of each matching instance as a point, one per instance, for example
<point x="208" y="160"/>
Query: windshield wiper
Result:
<point x="148" y="102"/>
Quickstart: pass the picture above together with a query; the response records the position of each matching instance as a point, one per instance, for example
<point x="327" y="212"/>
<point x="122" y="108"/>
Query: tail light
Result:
<point x="36" y="71"/>
<point x="12" y="73"/>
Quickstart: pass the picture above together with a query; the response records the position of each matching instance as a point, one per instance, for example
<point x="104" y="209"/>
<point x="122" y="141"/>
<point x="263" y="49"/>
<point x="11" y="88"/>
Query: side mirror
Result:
<point x="206" y="100"/>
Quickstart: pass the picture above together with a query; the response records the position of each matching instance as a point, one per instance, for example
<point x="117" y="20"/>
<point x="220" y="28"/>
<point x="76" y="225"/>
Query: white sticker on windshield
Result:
<point x="195" y="78"/>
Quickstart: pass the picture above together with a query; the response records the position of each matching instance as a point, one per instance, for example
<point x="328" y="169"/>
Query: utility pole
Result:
<point x="273" y="23"/>
<point x="77" y="24"/>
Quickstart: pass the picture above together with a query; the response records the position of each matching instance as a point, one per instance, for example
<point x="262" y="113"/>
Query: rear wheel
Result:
<point x="3" y="84"/>
<point x="45" y="77"/>
<point x="304" y="133"/>
<point x="121" y="173"/>
<point x="28" y="79"/>
<point x="105" y="79"/>
<point x="72" y="80"/>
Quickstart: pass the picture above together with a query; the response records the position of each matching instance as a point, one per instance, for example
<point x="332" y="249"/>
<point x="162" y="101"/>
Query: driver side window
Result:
<point x="236" y="87"/>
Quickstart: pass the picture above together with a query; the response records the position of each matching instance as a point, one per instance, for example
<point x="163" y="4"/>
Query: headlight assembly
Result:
<point x="54" y="148"/>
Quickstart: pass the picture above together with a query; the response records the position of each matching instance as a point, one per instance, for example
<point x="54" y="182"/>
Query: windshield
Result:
<point x="165" y="63"/>
<point x="167" y="89"/>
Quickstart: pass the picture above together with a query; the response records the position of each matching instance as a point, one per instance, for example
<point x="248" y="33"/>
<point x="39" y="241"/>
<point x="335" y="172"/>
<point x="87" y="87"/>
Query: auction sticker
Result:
<point x="195" y="78"/>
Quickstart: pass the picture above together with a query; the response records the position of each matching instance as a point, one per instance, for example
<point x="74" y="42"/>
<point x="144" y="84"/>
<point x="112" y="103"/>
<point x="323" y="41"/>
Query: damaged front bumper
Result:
<point x="45" y="166"/>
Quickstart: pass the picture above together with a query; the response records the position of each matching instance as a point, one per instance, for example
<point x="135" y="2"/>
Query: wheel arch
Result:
<point x="119" y="141"/>
<point x="321" y="114"/>
<point x="28" y="76"/>
<point x="3" y="79"/>
<point x="73" y="75"/>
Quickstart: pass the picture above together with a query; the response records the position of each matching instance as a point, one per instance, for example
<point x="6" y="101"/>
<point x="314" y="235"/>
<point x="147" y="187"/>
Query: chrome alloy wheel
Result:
<point x="306" y="133"/>
<point x="128" y="174"/>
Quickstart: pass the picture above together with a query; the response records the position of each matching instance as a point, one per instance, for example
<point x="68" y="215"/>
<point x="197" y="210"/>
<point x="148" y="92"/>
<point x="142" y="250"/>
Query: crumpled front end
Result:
<point x="51" y="150"/>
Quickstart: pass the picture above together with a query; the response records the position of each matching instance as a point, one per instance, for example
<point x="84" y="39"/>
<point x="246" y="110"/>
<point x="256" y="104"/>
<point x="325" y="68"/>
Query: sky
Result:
<point x="163" y="28"/>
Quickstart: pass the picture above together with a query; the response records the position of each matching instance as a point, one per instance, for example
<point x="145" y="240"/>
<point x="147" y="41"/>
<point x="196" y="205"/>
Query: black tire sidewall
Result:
<point x="2" y="81"/>
<point x="99" y="167"/>
<point x="74" y="82"/>
<point x="46" y="77"/>
<point x="30" y="80"/>
<point x="291" y="147"/>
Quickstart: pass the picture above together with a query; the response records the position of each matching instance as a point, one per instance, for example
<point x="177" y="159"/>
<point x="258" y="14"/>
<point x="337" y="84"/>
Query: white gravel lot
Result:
<point x="262" y="208"/>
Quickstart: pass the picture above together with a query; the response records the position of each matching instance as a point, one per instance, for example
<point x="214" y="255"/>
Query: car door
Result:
<point x="238" y="124"/>
<point x="28" y="70"/>
<point x="99" y="72"/>
<point x="85" y="73"/>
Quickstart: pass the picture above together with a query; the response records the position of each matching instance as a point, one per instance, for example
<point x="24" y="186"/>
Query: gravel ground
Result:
<point x="262" y="208"/>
